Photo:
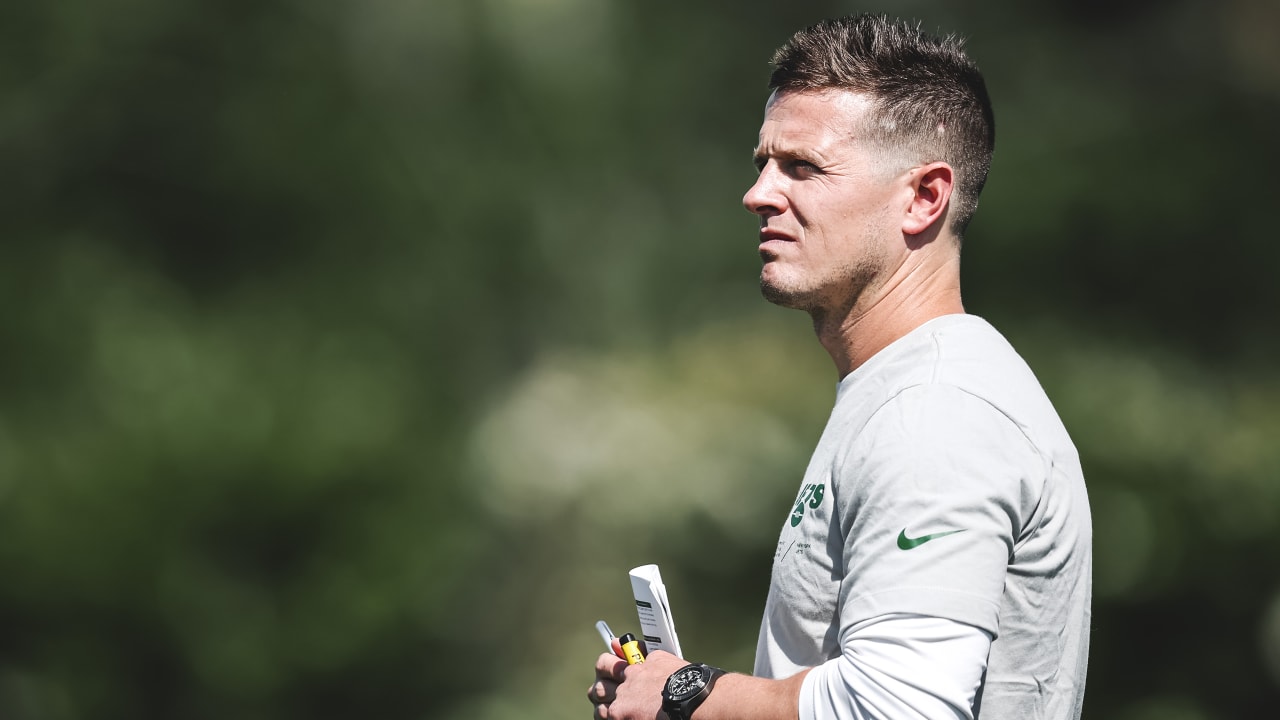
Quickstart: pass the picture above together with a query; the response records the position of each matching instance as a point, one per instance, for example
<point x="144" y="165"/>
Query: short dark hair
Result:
<point x="929" y="100"/>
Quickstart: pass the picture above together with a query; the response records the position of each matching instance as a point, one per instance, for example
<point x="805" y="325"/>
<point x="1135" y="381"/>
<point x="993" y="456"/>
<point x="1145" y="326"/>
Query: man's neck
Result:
<point x="853" y="335"/>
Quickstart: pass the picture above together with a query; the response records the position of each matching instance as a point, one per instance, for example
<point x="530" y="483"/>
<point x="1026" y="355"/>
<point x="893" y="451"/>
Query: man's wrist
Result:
<point x="687" y="688"/>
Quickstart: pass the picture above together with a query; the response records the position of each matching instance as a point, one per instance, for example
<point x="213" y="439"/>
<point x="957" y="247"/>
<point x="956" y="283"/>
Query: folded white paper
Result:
<point x="656" y="623"/>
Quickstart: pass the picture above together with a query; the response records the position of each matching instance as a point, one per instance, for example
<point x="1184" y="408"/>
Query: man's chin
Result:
<point x="784" y="297"/>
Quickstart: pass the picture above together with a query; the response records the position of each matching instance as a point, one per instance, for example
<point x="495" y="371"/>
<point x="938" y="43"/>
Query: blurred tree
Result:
<point x="338" y="335"/>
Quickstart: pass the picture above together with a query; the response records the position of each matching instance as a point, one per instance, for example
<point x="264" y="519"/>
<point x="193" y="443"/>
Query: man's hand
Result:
<point x="631" y="692"/>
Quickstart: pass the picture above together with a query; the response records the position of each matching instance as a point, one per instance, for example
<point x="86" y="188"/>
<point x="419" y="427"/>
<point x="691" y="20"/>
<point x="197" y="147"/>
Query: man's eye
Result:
<point x="801" y="167"/>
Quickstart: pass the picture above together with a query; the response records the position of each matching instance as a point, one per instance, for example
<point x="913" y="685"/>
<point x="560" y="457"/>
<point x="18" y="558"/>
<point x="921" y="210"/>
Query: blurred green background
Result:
<point x="353" y="351"/>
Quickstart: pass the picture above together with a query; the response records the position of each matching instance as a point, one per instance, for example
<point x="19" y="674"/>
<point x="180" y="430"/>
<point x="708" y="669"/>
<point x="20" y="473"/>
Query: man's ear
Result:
<point x="931" y="185"/>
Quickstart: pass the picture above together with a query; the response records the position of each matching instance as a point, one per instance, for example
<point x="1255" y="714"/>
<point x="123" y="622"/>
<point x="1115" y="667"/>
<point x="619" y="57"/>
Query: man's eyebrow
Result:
<point x="760" y="157"/>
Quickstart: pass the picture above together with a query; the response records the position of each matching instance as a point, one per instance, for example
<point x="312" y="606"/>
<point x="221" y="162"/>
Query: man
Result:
<point x="937" y="561"/>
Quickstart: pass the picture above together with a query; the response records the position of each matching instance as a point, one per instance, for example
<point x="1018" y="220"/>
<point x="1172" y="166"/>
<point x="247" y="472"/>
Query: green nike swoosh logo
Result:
<point x="906" y="543"/>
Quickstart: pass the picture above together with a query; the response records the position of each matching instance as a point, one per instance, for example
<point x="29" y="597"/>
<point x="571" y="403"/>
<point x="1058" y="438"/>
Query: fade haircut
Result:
<point x="928" y="99"/>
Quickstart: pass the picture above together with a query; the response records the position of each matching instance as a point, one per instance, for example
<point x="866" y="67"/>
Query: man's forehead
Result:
<point x="833" y="100"/>
<point x="797" y="119"/>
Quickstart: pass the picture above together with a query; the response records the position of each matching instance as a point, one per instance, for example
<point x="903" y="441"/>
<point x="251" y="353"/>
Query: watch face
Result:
<point x="685" y="682"/>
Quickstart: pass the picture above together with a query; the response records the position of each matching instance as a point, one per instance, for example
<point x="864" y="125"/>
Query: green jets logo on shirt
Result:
<point x="810" y="495"/>
<point x="906" y="543"/>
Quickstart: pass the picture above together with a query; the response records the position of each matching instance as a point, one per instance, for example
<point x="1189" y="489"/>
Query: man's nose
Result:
<point x="764" y="197"/>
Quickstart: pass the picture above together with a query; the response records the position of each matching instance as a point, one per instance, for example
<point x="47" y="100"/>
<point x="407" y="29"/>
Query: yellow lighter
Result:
<point x="631" y="649"/>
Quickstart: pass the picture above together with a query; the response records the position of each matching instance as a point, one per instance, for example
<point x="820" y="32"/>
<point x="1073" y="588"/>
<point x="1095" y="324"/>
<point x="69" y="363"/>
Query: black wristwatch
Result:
<point x="687" y="688"/>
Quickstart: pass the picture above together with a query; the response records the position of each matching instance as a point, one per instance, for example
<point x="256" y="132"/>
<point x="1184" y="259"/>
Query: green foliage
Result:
<point x="345" y="342"/>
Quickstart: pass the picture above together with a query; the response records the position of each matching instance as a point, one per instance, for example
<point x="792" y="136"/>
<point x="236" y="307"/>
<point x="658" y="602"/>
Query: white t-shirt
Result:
<point x="943" y="486"/>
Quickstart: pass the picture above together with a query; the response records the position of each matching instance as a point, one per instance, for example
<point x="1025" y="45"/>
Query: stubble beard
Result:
<point x="838" y="294"/>
<point x="783" y="296"/>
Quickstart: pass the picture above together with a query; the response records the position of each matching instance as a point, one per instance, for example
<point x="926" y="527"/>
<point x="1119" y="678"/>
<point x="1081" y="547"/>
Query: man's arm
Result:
<point x="634" y="692"/>
<point x="893" y="667"/>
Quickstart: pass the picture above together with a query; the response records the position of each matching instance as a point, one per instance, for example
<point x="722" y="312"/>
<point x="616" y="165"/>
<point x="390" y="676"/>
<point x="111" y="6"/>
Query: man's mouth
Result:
<point x="769" y="240"/>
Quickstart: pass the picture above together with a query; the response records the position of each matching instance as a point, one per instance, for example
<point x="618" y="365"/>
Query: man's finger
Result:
<point x="602" y="691"/>
<point x="610" y="667"/>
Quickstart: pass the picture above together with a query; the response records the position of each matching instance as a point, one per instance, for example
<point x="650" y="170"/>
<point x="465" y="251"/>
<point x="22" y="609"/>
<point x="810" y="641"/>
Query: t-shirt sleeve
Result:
<point x="933" y="493"/>
<point x="897" y="667"/>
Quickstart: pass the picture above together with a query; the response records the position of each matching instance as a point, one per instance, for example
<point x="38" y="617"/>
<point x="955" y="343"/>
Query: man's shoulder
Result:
<point x="955" y="361"/>
<point x="962" y="351"/>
